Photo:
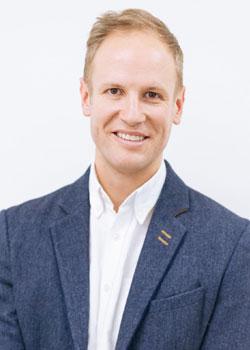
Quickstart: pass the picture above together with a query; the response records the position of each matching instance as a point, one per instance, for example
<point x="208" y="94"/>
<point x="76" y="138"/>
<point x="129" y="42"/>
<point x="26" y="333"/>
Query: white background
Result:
<point x="44" y="139"/>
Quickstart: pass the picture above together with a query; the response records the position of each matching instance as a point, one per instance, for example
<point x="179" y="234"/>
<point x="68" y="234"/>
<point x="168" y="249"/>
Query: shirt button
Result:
<point x="106" y="287"/>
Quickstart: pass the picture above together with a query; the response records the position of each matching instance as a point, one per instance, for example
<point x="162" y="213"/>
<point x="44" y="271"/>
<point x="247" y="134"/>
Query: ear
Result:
<point x="85" y="98"/>
<point x="179" y="102"/>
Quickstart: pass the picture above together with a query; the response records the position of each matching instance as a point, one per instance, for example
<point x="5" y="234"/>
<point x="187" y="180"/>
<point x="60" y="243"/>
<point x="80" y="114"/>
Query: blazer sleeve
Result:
<point x="229" y="327"/>
<point x="10" y="334"/>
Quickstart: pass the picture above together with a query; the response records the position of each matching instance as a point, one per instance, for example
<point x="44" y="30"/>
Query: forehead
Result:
<point x="133" y="56"/>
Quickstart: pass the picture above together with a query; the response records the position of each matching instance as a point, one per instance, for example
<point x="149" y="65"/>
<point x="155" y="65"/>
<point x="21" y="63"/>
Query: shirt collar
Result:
<point x="95" y="197"/>
<point x="143" y="199"/>
<point x="148" y="193"/>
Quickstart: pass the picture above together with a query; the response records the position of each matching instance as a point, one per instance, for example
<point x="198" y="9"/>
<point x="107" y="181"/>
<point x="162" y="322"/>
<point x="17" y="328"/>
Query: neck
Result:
<point x="119" y="185"/>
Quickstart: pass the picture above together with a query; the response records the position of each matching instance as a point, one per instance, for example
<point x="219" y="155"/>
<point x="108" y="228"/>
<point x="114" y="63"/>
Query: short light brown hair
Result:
<point x="131" y="20"/>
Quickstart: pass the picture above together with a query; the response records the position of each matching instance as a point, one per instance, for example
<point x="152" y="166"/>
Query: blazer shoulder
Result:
<point x="44" y="209"/>
<point x="208" y="213"/>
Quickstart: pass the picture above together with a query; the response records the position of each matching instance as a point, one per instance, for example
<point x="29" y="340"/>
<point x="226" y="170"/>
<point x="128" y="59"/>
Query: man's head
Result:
<point x="132" y="90"/>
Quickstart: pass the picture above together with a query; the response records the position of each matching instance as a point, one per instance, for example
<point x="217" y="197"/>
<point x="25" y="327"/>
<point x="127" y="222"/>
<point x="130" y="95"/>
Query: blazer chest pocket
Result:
<point x="172" y="323"/>
<point x="177" y="301"/>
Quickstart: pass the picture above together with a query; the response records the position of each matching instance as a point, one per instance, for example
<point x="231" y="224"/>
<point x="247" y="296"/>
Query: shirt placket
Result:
<point x="113" y="259"/>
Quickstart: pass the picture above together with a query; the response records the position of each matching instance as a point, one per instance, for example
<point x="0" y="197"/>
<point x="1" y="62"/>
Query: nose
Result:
<point x="132" y="111"/>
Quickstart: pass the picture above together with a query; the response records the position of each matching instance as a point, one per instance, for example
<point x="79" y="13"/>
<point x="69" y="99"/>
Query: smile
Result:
<point x="130" y="140"/>
<point x="130" y="137"/>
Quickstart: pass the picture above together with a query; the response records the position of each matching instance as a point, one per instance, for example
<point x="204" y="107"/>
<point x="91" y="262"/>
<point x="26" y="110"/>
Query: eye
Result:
<point x="152" y="94"/>
<point x="114" y="91"/>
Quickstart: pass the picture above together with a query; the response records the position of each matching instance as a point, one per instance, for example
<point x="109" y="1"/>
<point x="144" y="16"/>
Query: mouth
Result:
<point x="134" y="137"/>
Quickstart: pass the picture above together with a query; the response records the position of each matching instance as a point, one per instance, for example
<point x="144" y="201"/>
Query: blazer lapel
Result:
<point x="164" y="235"/>
<point x="70" y="237"/>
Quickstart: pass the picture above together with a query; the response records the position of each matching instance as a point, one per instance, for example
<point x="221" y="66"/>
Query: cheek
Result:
<point x="103" y="105"/>
<point x="161" y="121"/>
<point x="98" y="120"/>
<point x="93" y="129"/>
<point x="95" y="124"/>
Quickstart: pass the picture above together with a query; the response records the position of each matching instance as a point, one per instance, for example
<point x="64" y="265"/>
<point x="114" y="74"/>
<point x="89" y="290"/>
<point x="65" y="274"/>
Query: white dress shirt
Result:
<point x="116" y="240"/>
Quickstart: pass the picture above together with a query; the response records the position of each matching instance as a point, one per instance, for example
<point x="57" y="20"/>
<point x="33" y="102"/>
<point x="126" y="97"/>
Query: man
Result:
<point x="128" y="256"/>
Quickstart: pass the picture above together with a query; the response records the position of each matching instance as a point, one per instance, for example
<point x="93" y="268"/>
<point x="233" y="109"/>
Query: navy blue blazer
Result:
<point x="191" y="287"/>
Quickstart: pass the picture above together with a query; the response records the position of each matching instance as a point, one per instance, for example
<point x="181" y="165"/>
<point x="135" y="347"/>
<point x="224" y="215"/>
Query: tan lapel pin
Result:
<point x="164" y="240"/>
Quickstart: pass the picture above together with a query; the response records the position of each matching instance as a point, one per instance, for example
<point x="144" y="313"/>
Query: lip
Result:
<point x="128" y="143"/>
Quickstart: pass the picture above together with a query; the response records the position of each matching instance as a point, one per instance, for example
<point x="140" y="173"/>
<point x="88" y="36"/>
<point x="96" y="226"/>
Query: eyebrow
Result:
<point x="108" y="85"/>
<point x="158" y="88"/>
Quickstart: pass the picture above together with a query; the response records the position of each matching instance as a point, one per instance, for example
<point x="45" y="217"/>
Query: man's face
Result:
<point x="132" y="102"/>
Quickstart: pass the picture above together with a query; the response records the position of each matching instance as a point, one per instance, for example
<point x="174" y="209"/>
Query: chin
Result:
<point x="129" y="167"/>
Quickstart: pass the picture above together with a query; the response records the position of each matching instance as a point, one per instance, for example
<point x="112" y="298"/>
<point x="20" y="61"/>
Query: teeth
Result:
<point x="130" y="137"/>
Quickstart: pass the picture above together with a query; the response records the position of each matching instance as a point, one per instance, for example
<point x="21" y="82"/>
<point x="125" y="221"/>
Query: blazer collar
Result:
<point x="77" y="193"/>
<point x="70" y="236"/>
